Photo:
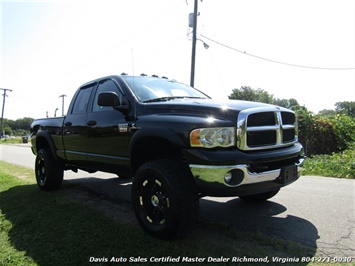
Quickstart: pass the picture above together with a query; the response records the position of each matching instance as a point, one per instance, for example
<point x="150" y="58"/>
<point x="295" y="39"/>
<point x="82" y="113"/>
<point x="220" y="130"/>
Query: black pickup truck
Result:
<point x="176" y="142"/>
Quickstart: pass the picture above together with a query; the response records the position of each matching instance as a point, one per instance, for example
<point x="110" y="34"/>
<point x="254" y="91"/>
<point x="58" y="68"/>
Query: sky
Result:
<point x="49" y="48"/>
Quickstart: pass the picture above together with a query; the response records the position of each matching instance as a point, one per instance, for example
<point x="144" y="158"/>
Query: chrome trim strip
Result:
<point x="279" y="132"/>
<point x="216" y="174"/>
<point x="213" y="173"/>
<point x="263" y="128"/>
<point x="288" y="126"/>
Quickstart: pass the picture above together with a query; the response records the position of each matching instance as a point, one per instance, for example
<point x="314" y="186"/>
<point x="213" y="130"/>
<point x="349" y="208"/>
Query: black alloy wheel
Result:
<point x="164" y="198"/>
<point x="48" y="171"/>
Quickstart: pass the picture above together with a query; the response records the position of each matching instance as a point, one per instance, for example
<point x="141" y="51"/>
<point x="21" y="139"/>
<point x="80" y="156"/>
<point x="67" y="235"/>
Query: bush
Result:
<point x="336" y="165"/>
<point x="344" y="129"/>
<point x="325" y="135"/>
<point x="321" y="138"/>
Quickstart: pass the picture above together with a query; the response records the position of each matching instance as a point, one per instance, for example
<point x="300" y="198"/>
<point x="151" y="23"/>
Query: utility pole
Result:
<point x="193" y="54"/>
<point x="63" y="95"/>
<point x="3" y="108"/>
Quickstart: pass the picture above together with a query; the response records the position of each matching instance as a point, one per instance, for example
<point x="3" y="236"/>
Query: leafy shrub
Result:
<point x="336" y="165"/>
<point x="324" y="135"/>
<point x="344" y="129"/>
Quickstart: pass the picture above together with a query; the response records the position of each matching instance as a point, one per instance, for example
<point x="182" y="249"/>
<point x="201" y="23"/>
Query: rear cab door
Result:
<point x="75" y="125"/>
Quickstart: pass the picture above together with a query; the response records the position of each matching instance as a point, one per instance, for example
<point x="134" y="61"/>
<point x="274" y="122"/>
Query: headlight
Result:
<point x="213" y="137"/>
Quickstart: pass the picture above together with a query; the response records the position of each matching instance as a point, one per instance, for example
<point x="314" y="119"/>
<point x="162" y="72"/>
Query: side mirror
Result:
<point x="108" y="99"/>
<point x="112" y="99"/>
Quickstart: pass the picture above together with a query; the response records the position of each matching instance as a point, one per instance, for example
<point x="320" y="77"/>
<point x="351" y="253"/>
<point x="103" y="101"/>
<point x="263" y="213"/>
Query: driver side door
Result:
<point x="107" y="130"/>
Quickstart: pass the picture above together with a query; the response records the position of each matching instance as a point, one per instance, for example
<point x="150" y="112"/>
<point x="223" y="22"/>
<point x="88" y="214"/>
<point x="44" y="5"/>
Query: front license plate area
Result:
<point x="289" y="174"/>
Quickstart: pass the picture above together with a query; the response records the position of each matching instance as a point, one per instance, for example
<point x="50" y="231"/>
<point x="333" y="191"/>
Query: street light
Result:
<point x="204" y="44"/>
<point x="63" y="95"/>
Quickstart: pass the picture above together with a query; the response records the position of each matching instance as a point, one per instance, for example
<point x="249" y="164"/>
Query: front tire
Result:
<point x="49" y="172"/>
<point x="164" y="198"/>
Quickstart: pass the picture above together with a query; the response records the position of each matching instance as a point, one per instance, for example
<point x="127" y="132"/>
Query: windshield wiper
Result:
<point x="168" y="98"/>
<point x="161" y="99"/>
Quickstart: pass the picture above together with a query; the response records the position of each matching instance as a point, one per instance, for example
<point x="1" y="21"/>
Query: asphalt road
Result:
<point x="315" y="211"/>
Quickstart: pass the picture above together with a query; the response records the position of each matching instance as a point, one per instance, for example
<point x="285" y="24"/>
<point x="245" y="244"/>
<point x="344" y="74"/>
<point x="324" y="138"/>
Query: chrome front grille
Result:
<point x="266" y="128"/>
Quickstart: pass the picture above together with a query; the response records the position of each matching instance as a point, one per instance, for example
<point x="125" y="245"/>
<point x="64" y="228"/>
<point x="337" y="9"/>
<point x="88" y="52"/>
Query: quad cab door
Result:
<point x="74" y="128"/>
<point x="108" y="133"/>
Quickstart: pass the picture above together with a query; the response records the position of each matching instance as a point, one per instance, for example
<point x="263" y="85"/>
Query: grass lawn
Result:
<point x="51" y="228"/>
<point x="12" y="140"/>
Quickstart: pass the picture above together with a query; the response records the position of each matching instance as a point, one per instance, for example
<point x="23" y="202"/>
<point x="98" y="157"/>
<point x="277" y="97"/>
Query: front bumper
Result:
<point x="238" y="180"/>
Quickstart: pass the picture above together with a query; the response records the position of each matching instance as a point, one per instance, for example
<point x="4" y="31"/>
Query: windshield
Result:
<point x="150" y="89"/>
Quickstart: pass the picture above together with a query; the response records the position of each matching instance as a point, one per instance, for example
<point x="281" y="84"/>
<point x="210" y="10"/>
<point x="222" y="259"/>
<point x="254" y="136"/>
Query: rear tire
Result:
<point x="164" y="198"/>
<point x="49" y="172"/>
<point x="257" y="198"/>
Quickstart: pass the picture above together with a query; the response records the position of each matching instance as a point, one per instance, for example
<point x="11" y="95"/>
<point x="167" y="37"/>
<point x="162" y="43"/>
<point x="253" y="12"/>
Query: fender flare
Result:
<point x="48" y="140"/>
<point x="157" y="132"/>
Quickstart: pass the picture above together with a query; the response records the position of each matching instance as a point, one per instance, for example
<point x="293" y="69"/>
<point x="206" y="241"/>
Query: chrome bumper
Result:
<point x="242" y="176"/>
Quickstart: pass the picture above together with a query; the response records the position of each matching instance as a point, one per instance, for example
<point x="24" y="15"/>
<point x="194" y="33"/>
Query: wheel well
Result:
<point x="153" y="148"/>
<point x="41" y="143"/>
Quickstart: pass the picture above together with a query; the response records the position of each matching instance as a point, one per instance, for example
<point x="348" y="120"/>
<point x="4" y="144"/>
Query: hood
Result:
<point x="206" y="105"/>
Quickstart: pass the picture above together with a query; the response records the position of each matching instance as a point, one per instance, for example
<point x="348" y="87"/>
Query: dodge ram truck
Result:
<point x="176" y="143"/>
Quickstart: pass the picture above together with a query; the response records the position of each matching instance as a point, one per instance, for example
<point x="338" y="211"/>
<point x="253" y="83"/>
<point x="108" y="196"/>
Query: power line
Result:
<point x="275" y="61"/>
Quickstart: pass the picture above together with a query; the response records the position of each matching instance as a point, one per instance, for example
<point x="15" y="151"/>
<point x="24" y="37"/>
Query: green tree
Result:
<point x="347" y="108"/>
<point x="248" y="94"/>
<point x="287" y="103"/>
<point x="327" y="113"/>
<point x="8" y="130"/>
<point x="20" y="126"/>
<point x="23" y="123"/>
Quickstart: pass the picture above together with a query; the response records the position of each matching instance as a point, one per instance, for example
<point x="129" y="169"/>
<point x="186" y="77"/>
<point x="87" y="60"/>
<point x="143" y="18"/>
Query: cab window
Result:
<point x="82" y="100"/>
